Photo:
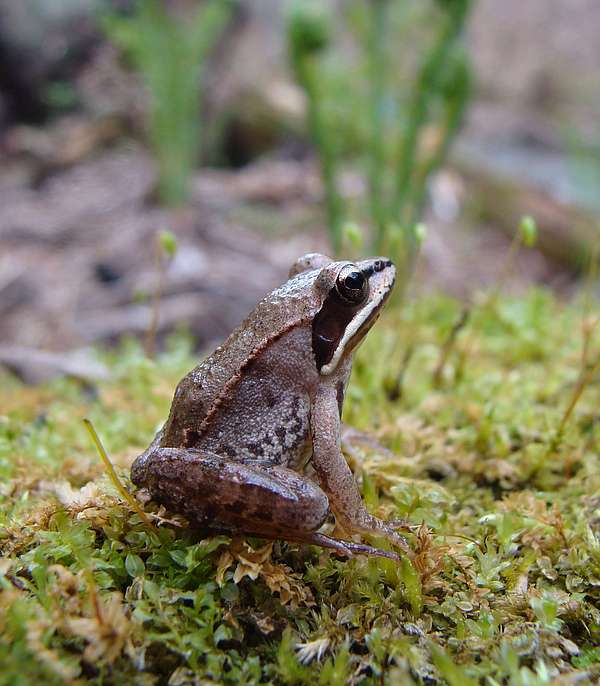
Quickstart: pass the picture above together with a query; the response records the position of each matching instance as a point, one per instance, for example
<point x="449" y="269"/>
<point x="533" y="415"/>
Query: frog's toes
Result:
<point x="400" y="524"/>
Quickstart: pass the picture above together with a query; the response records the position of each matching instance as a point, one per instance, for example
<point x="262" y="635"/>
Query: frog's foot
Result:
<point x="340" y="546"/>
<point x="372" y="526"/>
<point x="387" y="530"/>
<point x="400" y="524"/>
<point x="347" y="548"/>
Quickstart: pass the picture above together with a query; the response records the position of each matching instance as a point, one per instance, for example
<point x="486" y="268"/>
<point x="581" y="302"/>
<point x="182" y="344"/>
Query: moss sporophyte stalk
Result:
<point x="359" y="114"/>
<point x="169" y="52"/>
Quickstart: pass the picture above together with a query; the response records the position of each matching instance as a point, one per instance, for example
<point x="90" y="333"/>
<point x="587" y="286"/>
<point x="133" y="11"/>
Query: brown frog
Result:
<point x="246" y="421"/>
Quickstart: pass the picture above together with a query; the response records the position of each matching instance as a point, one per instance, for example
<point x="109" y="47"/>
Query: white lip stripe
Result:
<point x="353" y="327"/>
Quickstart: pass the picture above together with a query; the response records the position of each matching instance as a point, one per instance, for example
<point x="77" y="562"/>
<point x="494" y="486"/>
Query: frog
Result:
<point x="252" y="442"/>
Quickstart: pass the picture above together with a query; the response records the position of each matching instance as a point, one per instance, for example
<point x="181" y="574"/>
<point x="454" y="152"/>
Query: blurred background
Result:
<point x="163" y="162"/>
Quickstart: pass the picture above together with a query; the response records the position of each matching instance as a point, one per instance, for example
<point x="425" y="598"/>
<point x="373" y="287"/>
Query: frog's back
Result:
<point x="204" y="388"/>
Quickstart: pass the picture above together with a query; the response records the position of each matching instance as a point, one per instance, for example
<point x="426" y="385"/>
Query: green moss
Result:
<point x="505" y="585"/>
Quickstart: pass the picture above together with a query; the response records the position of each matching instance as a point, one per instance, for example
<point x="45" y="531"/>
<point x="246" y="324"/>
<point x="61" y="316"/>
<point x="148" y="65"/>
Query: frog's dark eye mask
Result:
<point x="348" y="310"/>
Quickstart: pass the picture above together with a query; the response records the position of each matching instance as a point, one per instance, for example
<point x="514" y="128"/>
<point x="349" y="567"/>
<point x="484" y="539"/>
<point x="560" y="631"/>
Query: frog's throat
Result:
<point x="358" y="321"/>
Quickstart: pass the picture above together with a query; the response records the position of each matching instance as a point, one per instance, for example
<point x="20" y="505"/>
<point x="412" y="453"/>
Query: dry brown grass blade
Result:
<point x="115" y="479"/>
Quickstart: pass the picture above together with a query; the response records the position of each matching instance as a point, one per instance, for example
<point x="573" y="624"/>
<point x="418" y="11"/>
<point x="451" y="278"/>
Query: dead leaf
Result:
<point x="253" y="564"/>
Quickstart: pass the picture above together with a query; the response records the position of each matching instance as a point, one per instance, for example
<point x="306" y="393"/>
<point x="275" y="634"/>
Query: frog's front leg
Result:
<point x="265" y="501"/>
<point x="335" y="475"/>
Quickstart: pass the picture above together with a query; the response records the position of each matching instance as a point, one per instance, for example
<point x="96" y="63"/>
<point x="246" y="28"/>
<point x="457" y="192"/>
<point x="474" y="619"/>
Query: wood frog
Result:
<point x="247" y="420"/>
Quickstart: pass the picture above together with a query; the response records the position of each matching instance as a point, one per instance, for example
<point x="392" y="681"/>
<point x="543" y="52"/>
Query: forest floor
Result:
<point x="498" y="477"/>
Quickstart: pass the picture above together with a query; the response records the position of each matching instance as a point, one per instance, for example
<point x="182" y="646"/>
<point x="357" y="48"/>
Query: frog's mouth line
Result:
<point x="357" y="330"/>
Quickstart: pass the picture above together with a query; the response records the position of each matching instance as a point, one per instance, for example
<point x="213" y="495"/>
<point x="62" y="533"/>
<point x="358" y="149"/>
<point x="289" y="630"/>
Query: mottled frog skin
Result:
<point x="246" y="421"/>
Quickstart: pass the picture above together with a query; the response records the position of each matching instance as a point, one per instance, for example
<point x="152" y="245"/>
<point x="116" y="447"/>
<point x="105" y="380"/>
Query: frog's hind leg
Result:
<point x="267" y="502"/>
<point x="212" y="490"/>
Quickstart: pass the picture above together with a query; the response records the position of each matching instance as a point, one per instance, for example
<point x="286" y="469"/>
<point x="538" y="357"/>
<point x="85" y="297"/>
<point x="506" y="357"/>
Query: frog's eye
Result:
<point x="352" y="284"/>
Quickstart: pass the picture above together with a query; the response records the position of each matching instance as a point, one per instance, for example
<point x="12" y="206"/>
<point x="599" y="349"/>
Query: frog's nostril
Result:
<point x="377" y="266"/>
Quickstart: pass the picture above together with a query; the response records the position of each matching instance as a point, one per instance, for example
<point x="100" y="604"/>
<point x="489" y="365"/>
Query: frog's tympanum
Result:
<point x="245" y="422"/>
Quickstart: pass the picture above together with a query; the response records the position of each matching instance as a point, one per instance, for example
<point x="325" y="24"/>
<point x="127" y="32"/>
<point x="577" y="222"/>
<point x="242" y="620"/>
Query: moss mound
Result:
<point x="491" y="452"/>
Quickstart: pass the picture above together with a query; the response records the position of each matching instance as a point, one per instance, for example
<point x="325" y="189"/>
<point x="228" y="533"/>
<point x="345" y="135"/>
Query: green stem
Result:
<point x="376" y="61"/>
<point x="323" y="144"/>
<point x="424" y="92"/>
<point x="113" y="476"/>
<point x="455" y="109"/>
